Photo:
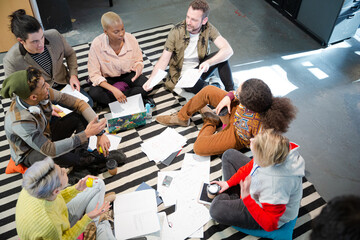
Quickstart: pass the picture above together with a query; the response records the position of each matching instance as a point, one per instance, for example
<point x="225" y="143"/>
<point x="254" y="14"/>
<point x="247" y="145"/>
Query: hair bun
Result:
<point x="18" y="13"/>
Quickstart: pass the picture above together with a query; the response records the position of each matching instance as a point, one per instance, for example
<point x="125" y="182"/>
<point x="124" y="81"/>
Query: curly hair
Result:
<point x="275" y="112"/>
<point x="33" y="77"/>
<point x="255" y="95"/>
<point x="279" y="115"/>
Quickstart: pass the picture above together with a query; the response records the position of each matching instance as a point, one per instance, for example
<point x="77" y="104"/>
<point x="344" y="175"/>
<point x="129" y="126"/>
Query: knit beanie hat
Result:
<point x="16" y="83"/>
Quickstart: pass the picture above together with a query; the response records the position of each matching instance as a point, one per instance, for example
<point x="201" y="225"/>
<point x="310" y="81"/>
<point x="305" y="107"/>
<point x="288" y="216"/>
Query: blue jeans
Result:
<point x="85" y="202"/>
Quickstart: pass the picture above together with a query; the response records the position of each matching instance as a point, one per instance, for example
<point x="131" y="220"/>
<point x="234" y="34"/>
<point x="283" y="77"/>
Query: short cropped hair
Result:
<point x="339" y="219"/>
<point x="270" y="148"/>
<point x="41" y="179"/>
<point x="201" y="5"/>
<point x="110" y="18"/>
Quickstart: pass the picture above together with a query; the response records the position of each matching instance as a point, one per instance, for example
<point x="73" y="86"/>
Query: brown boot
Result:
<point x="110" y="197"/>
<point x="172" y="120"/>
<point x="208" y="115"/>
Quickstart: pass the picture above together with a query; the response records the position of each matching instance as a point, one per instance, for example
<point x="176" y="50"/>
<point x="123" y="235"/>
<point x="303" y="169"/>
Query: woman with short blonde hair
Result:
<point x="115" y="64"/>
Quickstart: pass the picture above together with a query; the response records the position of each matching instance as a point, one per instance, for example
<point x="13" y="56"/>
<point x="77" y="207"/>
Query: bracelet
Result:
<point x="100" y="133"/>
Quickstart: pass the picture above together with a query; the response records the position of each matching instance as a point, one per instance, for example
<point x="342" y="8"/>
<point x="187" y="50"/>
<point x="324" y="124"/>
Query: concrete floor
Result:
<point x="265" y="44"/>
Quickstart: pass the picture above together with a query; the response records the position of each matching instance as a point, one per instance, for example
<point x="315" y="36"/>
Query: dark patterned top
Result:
<point x="44" y="60"/>
<point x="178" y="40"/>
<point x="247" y="124"/>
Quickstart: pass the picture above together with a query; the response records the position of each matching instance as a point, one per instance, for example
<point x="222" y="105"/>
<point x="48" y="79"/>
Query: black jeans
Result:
<point x="228" y="208"/>
<point x="224" y="73"/>
<point x="103" y="97"/>
<point x="62" y="128"/>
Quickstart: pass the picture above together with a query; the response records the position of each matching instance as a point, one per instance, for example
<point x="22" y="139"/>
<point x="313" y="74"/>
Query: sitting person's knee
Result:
<point x="201" y="149"/>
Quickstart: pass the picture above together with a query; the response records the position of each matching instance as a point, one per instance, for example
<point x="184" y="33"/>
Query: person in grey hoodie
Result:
<point x="262" y="193"/>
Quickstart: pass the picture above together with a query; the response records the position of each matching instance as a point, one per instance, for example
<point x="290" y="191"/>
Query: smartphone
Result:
<point x="167" y="181"/>
<point x="203" y="197"/>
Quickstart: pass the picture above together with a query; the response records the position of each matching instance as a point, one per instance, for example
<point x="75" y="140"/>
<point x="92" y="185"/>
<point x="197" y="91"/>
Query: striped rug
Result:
<point x="139" y="169"/>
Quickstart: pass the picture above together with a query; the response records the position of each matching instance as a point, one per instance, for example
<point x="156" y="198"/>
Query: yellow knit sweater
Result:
<point x="41" y="219"/>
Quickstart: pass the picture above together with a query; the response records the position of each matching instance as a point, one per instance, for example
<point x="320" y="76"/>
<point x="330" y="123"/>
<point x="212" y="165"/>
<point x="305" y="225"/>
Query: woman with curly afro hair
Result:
<point x="251" y="108"/>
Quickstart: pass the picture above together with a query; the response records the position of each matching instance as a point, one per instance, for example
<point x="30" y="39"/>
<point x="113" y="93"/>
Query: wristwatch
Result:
<point x="100" y="133"/>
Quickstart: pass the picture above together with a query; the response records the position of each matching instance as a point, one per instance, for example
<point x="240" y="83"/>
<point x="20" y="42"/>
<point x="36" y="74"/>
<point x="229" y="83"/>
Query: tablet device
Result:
<point x="203" y="197"/>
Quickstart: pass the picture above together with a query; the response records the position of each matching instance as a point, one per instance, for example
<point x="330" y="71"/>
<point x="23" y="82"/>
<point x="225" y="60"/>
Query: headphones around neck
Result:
<point x="33" y="109"/>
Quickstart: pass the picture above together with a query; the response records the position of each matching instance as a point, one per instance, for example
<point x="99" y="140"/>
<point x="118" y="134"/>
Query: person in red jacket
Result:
<point x="263" y="193"/>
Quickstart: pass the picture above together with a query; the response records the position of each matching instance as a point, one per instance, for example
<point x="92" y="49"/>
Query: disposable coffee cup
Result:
<point x="224" y="116"/>
<point x="213" y="190"/>
<point x="111" y="165"/>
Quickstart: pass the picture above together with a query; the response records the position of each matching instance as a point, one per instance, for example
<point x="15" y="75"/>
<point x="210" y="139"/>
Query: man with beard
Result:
<point x="187" y="47"/>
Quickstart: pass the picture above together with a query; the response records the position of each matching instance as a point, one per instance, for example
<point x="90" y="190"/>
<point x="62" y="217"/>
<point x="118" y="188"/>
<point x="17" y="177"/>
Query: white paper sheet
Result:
<point x="189" y="78"/>
<point x="134" y="104"/>
<point x="114" y="142"/>
<point x="190" y="216"/>
<point x="67" y="89"/>
<point x="157" y="78"/>
<point x="135" y="214"/>
<point x="163" y="223"/>
<point x="161" y="146"/>
<point x="168" y="194"/>
<point x="64" y="110"/>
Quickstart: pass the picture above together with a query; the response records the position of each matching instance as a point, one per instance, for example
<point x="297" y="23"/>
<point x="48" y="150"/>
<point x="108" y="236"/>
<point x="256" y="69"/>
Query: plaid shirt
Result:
<point x="27" y="131"/>
<point x="178" y="40"/>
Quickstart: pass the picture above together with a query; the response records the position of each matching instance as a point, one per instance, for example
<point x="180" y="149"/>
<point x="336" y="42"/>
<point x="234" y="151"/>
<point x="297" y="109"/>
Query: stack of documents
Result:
<point x="189" y="78"/>
<point x="67" y="89"/>
<point x="136" y="214"/>
<point x="162" y="146"/>
<point x="75" y="93"/>
<point x="190" y="216"/>
<point x="114" y="142"/>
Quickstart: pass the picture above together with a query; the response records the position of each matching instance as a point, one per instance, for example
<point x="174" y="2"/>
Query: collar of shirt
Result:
<point x="107" y="48"/>
<point x="23" y="51"/>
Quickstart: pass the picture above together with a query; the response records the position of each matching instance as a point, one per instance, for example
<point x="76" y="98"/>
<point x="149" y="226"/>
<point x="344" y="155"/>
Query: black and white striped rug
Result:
<point x="139" y="169"/>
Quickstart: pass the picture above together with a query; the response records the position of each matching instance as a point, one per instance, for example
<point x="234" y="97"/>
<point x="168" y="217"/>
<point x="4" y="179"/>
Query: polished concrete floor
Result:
<point x="321" y="82"/>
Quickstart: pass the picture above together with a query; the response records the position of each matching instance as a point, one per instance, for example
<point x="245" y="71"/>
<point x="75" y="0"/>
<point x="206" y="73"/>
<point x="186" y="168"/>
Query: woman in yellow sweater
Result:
<point x="47" y="210"/>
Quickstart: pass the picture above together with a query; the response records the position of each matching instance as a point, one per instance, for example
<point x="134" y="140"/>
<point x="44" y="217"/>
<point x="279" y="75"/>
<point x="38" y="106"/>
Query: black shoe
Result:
<point x="150" y="101"/>
<point x="76" y="174"/>
<point x="118" y="155"/>
<point x="215" y="84"/>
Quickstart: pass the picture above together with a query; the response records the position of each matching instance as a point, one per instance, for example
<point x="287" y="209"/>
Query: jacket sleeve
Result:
<point x="268" y="216"/>
<point x="70" y="56"/>
<point x="9" y="66"/>
<point x="72" y="103"/>
<point x="69" y="193"/>
<point x="77" y="229"/>
<point x="241" y="174"/>
<point x="28" y="131"/>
